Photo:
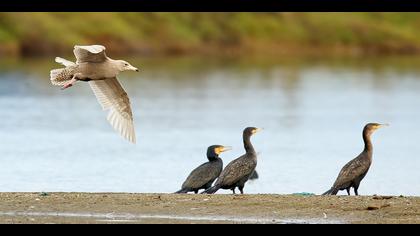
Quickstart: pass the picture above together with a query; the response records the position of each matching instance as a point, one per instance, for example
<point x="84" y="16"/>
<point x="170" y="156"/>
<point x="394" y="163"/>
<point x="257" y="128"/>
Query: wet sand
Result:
<point x="168" y="208"/>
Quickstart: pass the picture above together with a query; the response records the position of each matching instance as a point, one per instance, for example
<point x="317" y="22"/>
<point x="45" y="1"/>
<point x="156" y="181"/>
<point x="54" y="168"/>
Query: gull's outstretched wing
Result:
<point x="111" y="96"/>
<point x="93" y="53"/>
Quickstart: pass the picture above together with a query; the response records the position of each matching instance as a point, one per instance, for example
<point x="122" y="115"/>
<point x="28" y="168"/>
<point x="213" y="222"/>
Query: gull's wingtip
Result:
<point x="132" y="140"/>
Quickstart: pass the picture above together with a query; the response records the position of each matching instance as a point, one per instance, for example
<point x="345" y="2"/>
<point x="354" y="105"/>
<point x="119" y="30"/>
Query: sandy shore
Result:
<point x="168" y="208"/>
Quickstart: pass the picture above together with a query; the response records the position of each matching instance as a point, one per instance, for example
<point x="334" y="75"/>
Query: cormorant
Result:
<point x="237" y="173"/>
<point x="353" y="172"/>
<point x="204" y="176"/>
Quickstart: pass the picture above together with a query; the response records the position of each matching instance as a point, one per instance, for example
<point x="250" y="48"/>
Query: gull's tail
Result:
<point x="59" y="77"/>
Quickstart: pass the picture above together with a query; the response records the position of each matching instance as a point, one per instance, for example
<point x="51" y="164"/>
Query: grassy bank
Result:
<point x="28" y="34"/>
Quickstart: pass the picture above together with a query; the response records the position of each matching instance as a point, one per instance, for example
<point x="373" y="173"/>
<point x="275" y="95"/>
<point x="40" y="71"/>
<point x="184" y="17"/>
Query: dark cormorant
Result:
<point x="237" y="173"/>
<point x="204" y="176"/>
<point x="353" y="172"/>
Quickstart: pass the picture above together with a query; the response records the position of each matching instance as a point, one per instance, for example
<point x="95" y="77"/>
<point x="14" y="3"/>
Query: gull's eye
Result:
<point x="126" y="64"/>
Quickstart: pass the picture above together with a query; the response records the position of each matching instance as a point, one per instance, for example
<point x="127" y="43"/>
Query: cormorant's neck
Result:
<point x="368" y="142"/>
<point x="213" y="157"/>
<point x="248" y="145"/>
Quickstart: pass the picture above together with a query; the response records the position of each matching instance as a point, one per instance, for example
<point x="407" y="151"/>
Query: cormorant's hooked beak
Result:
<point x="257" y="130"/>
<point x="383" y="126"/>
<point x="379" y="126"/>
<point x="226" y="148"/>
<point x="221" y="149"/>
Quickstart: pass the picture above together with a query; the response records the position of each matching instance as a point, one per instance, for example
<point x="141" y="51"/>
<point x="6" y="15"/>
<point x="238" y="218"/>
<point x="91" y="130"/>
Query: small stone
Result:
<point x="381" y="197"/>
<point x="372" y="208"/>
<point x="386" y="205"/>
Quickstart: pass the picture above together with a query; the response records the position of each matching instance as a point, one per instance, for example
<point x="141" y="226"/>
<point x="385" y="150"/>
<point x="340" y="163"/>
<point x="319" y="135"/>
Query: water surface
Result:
<point x="313" y="112"/>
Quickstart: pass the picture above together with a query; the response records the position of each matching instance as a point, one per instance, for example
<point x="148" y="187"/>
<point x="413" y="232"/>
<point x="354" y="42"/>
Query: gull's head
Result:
<point x="124" y="66"/>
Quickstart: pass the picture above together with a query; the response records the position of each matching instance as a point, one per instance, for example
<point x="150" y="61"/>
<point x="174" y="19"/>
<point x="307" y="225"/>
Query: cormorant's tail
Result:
<point x="211" y="190"/>
<point x="254" y="176"/>
<point x="181" y="191"/>
<point x="332" y="191"/>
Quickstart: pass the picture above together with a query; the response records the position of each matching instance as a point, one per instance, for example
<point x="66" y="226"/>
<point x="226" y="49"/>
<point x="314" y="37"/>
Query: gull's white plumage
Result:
<point x="93" y="65"/>
<point x="111" y="96"/>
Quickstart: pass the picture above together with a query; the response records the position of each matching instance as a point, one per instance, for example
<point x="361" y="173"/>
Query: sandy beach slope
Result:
<point x="169" y="208"/>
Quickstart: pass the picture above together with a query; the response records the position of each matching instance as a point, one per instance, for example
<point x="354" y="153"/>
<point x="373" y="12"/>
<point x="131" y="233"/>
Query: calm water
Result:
<point x="313" y="113"/>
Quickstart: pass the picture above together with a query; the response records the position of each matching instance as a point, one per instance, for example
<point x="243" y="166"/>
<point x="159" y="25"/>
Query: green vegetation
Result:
<point x="30" y="34"/>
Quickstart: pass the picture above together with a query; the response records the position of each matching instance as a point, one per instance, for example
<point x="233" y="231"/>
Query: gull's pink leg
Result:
<point x="69" y="84"/>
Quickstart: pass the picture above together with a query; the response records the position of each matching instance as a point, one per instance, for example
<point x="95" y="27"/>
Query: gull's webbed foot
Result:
<point x="69" y="84"/>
